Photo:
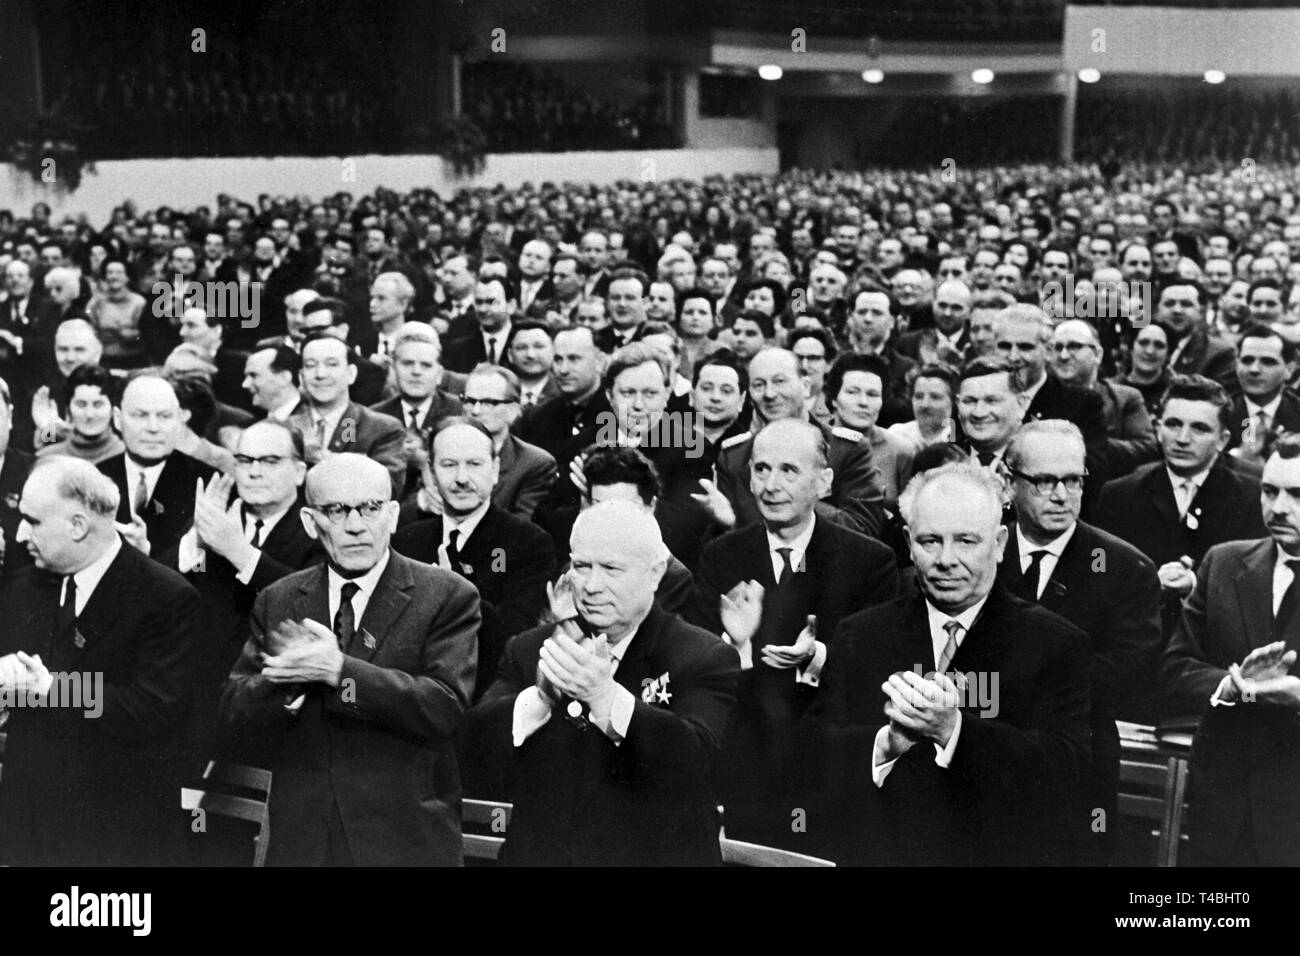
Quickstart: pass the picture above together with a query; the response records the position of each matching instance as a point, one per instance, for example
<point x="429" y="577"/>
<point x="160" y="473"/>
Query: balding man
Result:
<point x="27" y="325"/>
<point x="359" y="717"/>
<point x="95" y="649"/>
<point x="927" y="759"/>
<point x="44" y="420"/>
<point x="1076" y="360"/>
<point x="613" y="718"/>
<point x="948" y="341"/>
<point x="777" y="391"/>
<point x="535" y="274"/>
<point x="155" y="482"/>
<point x="776" y="590"/>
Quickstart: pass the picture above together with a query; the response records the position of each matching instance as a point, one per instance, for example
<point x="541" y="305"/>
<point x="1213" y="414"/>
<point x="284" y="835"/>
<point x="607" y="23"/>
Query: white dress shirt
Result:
<point x="880" y="768"/>
<point x="499" y="337"/>
<point x="282" y="413"/>
<point x="88" y="578"/>
<point x="421" y="410"/>
<point x="1269" y="411"/>
<point x="1048" y="563"/>
<point x="528" y="394"/>
<point x="1182" y="496"/>
<point x="466" y="526"/>
<point x="366" y="589"/>
<point x="332" y="420"/>
<point x="133" y="472"/>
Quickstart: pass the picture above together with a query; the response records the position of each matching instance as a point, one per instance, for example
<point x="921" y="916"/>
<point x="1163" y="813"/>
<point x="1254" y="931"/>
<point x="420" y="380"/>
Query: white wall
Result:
<point x="185" y="183"/>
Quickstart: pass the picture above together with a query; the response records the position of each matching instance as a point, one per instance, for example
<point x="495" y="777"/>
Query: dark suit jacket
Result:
<point x="85" y="792"/>
<point x="843" y="572"/>
<point x="509" y="560"/>
<point x="13" y="475"/>
<point x="527" y="474"/>
<point x="579" y="800"/>
<point x="228" y="382"/>
<point x="561" y="428"/>
<point x="442" y="406"/>
<point x="1245" y="758"/>
<point x="1010" y="795"/>
<point x="1081" y="406"/>
<point x="377" y="747"/>
<point x="170" y="512"/>
<point x="462" y="353"/>
<point x="1287" y="418"/>
<point x="1130" y="436"/>
<point x="364" y="432"/>
<point x="1210" y="356"/>
<point x="857" y="496"/>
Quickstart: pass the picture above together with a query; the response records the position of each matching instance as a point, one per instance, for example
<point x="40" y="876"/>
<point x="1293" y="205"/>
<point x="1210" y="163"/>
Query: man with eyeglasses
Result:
<point x="1130" y="438"/>
<point x="1175" y="510"/>
<point x="1051" y="558"/>
<point x="507" y="557"/>
<point x="354" y="677"/>
<point x="331" y="422"/>
<point x="236" y="547"/>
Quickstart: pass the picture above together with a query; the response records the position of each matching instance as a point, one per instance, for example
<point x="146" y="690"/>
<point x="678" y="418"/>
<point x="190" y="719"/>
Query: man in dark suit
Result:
<point x="926" y="761"/>
<point x="869" y="329"/>
<point x="1176" y="509"/>
<point x="14" y="467"/>
<point x="155" y="482"/>
<point x="613" y="718"/>
<point x="569" y="422"/>
<point x="235" y="549"/>
<point x="419" y="403"/>
<point x="1232" y="662"/>
<point x="102" y="636"/>
<point x="1095" y="581"/>
<point x="508" y="558"/>
<point x="331" y="423"/>
<point x="325" y="316"/>
<point x="777" y="391"/>
<point x="776" y="590"/>
<point x="495" y="300"/>
<point x="1023" y="334"/>
<point x="530" y="352"/>
<point x="360" y="718"/>
<point x="1180" y="311"/>
<point x="27" y="324"/>
<point x="948" y="340"/>
<point x="200" y="328"/>
<point x="1266" y="362"/>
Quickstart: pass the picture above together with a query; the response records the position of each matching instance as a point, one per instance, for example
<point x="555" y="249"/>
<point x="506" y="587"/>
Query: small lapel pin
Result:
<point x="368" y="639"/>
<point x="1192" y="521"/>
<point x="575" y="709"/>
<point x="79" y="640"/>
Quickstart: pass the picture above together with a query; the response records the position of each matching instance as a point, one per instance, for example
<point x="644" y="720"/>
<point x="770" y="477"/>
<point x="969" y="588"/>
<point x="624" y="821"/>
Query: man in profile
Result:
<point x="615" y="715"/>
<point x="359" y="717"/>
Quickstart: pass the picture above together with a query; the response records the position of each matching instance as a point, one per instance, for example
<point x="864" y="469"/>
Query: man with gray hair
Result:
<point x="95" y="663"/>
<point x="359" y="717"/>
<point x="391" y="295"/>
<point x="614" y="717"/>
<point x="954" y="719"/>
<point x="1094" y="580"/>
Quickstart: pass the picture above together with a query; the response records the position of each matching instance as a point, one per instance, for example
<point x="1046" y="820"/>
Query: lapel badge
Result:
<point x="78" y="639"/>
<point x="466" y="569"/>
<point x="655" y="690"/>
<point x="1193" y="522"/>
<point x="368" y="640"/>
<point x="11" y="500"/>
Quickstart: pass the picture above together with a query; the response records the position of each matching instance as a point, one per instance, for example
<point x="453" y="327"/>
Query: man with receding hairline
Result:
<point x="359" y="716"/>
<point x="954" y="719"/>
<point x="612" y="718"/>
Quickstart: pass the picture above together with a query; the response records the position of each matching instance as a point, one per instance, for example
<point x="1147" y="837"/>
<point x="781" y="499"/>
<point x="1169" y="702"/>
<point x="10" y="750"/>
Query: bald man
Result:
<point x="358" y="717"/>
<point x="101" y="637"/>
<point x="155" y="482"/>
<point x="610" y="721"/>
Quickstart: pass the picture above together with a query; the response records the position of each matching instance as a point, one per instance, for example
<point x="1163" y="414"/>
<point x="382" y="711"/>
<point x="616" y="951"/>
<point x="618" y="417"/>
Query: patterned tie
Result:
<point x="345" y="621"/>
<point x="1033" y="571"/>
<point x="953" y="627"/>
<point x="141" y="497"/>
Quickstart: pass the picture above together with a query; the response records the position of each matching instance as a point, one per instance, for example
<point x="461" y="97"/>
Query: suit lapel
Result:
<point x="349" y="423"/>
<point x="392" y="595"/>
<point x="105" y="605"/>
<point x="313" y="599"/>
<point x="639" y="664"/>
<point x="1161" y="494"/>
<point x="1255" y="594"/>
<point x="1070" y="571"/>
<point x="1009" y="572"/>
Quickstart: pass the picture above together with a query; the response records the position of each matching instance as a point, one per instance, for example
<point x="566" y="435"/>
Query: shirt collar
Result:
<point x="1270" y="409"/>
<point x="798" y="546"/>
<point x="1055" y="547"/>
<point x="88" y="578"/>
<point x="465" y="525"/>
<point x="365" y="583"/>
<point x="1033" y="390"/>
<point x="282" y="412"/>
<point x="421" y="408"/>
<point x="1197" y="479"/>
<point x="966" y="618"/>
<point x="268" y="521"/>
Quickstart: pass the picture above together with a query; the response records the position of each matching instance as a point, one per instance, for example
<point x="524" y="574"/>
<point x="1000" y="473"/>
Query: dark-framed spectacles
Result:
<point x="270" y="461"/>
<point x="489" y="402"/>
<point x="337" y="513"/>
<point x="1046" y="484"/>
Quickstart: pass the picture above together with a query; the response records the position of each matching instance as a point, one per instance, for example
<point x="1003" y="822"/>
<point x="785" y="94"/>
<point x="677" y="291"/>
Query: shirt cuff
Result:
<point x="746" y="653"/>
<point x="1221" y="693"/>
<point x="880" y="767"/>
<point x="943" y="755"/>
<point x="190" y="556"/>
<point x="295" y="705"/>
<point x="615" y="723"/>
<point x="532" y="711"/>
<point x="245" y="574"/>
<point x="812" y="674"/>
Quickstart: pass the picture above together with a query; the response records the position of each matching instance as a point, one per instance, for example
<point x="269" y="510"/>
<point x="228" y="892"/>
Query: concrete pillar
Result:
<point x="1069" y="107"/>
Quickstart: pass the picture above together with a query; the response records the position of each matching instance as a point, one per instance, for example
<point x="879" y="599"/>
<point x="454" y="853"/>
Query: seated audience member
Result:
<point x="271" y="378"/>
<point x="198" y="405"/>
<point x="14" y="468"/>
<point x="613" y="718"/>
<point x="506" y="557"/>
<point x="1266" y="407"/>
<point x="934" y="409"/>
<point x="991" y="407"/>
<point x="530" y="354"/>
<point x="749" y="333"/>
<point x="1232" y="663"/>
<point x="696" y="328"/>
<point x="855" y="389"/>
<point x="90" y="395"/>
<point x="923" y="761"/>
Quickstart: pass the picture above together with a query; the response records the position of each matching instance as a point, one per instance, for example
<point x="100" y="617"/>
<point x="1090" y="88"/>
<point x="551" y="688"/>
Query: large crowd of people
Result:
<point x="846" y="513"/>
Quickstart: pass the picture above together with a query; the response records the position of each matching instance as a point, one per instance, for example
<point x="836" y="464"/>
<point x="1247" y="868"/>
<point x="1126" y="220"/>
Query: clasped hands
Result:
<point x="302" y="652"/>
<point x="742" y="613"/>
<point x="24" y="673"/>
<point x="919" y="709"/>
<point x="571" y="663"/>
<point x="1263" y="678"/>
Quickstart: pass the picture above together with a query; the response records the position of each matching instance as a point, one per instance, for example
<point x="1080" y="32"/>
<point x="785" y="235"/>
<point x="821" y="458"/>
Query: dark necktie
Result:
<point x="1032" y="572"/>
<point x="345" y="621"/>
<point x="786" y="568"/>
<point x="492" y="351"/>
<point x="412" y="418"/>
<point x="141" y="498"/>
<point x="453" y="548"/>
<point x="65" y="620"/>
<point x="985" y="458"/>
<point x="257" y="533"/>
<point x="1286" y="610"/>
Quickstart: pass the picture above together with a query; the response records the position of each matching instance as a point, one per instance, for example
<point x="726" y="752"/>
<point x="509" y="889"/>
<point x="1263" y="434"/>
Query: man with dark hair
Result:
<point x="530" y="353"/>
<point x="568" y="276"/>
<point x="495" y="302"/>
<point x="1266" y="362"/>
<point x="325" y="316"/>
<point x="1193" y="350"/>
<point x="1232" y="663"/>
<point x="627" y="295"/>
<point x="271" y="379"/>
<point x="1176" y="509"/>
<point x="570" y="420"/>
<point x="991" y="405"/>
<point x="869" y="330"/>
<point x="751" y="332"/>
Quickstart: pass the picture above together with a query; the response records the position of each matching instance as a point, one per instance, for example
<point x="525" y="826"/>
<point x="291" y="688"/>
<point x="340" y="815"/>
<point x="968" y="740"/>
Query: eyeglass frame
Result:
<point x="1064" y="481"/>
<point x="332" y="513"/>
